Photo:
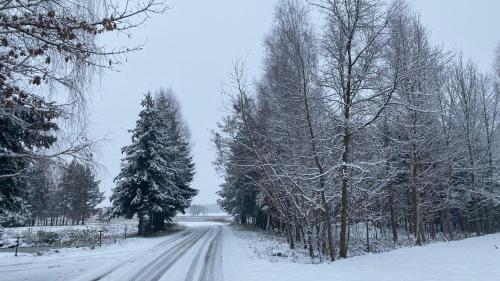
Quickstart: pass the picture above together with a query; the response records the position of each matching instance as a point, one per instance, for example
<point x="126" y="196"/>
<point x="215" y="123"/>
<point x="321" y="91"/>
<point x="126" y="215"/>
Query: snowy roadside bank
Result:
<point x="465" y="260"/>
<point x="273" y="246"/>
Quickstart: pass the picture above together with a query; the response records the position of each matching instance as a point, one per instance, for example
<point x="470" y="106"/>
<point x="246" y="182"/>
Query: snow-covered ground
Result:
<point x="217" y="252"/>
<point x="467" y="260"/>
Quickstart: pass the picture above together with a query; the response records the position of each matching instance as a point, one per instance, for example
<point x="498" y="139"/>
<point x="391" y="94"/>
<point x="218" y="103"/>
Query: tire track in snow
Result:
<point x="155" y="270"/>
<point x="206" y="263"/>
<point x="156" y="249"/>
<point x="194" y="264"/>
<point x="212" y="266"/>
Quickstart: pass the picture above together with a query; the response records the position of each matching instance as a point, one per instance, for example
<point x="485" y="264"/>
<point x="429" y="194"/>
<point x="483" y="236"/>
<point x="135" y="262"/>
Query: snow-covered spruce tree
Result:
<point x="82" y="192"/>
<point x="41" y="185"/>
<point x="157" y="169"/>
<point x="26" y="124"/>
<point x="249" y="187"/>
<point x="237" y="164"/>
<point x="178" y="154"/>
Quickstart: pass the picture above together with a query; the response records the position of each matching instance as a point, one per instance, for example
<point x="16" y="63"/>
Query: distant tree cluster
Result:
<point x="57" y="193"/>
<point x="197" y="210"/>
<point x="62" y="195"/>
<point x="50" y="48"/>
<point x="156" y="172"/>
<point x="362" y="121"/>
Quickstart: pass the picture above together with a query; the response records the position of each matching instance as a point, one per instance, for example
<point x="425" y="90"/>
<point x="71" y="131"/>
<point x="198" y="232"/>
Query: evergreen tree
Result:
<point x="179" y="153"/>
<point x="157" y="169"/>
<point x="26" y="123"/>
<point x="81" y="191"/>
<point x="40" y="186"/>
<point x="90" y="195"/>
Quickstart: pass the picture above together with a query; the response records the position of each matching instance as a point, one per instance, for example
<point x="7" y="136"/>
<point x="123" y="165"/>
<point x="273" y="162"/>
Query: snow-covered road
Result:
<point x="194" y="254"/>
<point x="213" y="252"/>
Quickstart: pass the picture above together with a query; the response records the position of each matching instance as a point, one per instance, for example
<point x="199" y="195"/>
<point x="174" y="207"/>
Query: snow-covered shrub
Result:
<point x="47" y="237"/>
<point x="29" y="236"/>
<point x="82" y="237"/>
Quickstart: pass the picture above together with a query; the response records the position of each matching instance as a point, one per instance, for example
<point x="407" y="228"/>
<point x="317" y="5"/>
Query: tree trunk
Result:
<point x="367" y="237"/>
<point x="140" y="230"/>
<point x="268" y="223"/>
<point x="415" y="198"/>
<point x="344" y="196"/>
<point x="393" y="217"/>
<point x="331" y="249"/>
<point x="328" y="223"/>
<point x="309" y="242"/>
<point x="290" y="236"/>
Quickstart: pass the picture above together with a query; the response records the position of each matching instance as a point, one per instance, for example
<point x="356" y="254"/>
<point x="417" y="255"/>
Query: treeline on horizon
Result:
<point x="361" y="121"/>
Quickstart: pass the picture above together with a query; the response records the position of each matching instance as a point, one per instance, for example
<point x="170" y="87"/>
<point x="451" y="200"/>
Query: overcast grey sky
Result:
<point x="191" y="49"/>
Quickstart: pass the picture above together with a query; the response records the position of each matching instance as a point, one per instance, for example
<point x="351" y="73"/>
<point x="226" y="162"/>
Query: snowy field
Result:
<point x="226" y="254"/>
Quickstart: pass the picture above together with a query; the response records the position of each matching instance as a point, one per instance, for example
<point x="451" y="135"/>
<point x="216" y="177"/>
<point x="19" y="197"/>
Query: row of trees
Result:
<point x="197" y="210"/>
<point x="50" y="49"/>
<point x="61" y="195"/>
<point x="57" y="193"/>
<point x="154" y="181"/>
<point x="362" y="122"/>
